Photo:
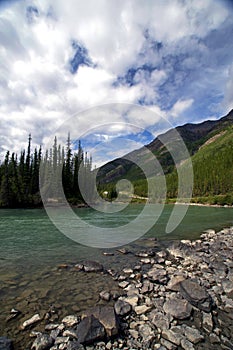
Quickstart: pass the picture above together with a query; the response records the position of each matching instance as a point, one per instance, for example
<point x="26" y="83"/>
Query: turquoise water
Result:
<point x="29" y="240"/>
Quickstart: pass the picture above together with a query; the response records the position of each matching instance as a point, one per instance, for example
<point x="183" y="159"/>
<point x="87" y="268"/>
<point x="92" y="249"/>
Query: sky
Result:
<point x="66" y="65"/>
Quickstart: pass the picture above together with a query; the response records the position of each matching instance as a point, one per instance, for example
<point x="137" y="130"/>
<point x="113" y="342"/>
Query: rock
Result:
<point x="159" y="319"/>
<point x="105" y="295"/>
<point x="142" y="309"/>
<point x="107" y="317"/>
<point x="207" y="322"/>
<point x="6" y="343"/>
<point x="42" y="342"/>
<point x="174" y="283"/>
<point x="108" y="253"/>
<point x="173" y="337"/>
<point x="123" y="251"/>
<point x="30" y="321"/>
<point x="228" y="288"/>
<point x="167" y="344"/>
<point x="70" y="320"/>
<point x="158" y="275"/>
<point x="122" y="308"/>
<point x="187" y="345"/>
<point x="132" y="300"/>
<point x="146" y="332"/>
<point x="74" y="345"/>
<point x="192" y="334"/>
<point x="92" y="266"/>
<point x="147" y="287"/>
<point x="51" y="326"/>
<point x="127" y="271"/>
<point x="134" y="333"/>
<point x="214" y="339"/>
<point x="90" y="330"/>
<point x="177" y="308"/>
<point x="123" y="284"/>
<point x="196" y="295"/>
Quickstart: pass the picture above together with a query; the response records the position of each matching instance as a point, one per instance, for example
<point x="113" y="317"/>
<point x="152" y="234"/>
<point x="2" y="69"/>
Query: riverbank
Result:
<point x="179" y="296"/>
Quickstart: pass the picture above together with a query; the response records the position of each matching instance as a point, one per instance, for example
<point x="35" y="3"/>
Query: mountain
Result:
<point x="193" y="135"/>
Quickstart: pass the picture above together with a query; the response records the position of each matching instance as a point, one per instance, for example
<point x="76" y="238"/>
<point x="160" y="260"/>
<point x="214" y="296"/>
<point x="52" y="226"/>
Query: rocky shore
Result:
<point x="180" y="297"/>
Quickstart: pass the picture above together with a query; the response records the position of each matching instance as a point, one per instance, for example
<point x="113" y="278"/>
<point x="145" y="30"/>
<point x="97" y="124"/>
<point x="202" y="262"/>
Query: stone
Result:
<point x="214" y="339"/>
<point x="51" y="326"/>
<point x="105" y="295"/>
<point x="147" y="287"/>
<point x="158" y="275"/>
<point x="192" y="334"/>
<point x="172" y="336"/>
<point x="42" y="342"/>
<point x="122" y="308"/>
<point x="196" y="295"/>
<point x="134" y="333"/>
<point x="187" y="345"/>
<point x="174" y="283"/>
<point x="107" y="317"/>
<point x="123" y="284"/>
<point x="70" y="320"/>
<point x="160" y="320"/>
<point x="123" y="251"/>
<point x="90" y="330"/>
<point x="74" y="345"/>
<point x="127" y="271"/>
<point x="146" y="332"/>
<point x="167" y="344"/>
<point x="132" y="300"/>
<point x="207" y="321"/>
<point x="178" y="308"/>
<point x="92" y="266"/>
<point x="34" y="319"/>
<point x="6" y="343"/>
<point x="142" y="309"/>
<point x="227" y="286"/>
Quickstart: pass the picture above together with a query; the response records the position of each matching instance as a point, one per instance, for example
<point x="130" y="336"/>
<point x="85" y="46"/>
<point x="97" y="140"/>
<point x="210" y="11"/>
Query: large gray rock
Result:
<point x="106" y="316"/>
<point x="42" y="342"/>
<point x="90" y="330"/>
<point x="6" y="344"/>
<point x="196" y="295"/>
<point x="178" y="308"/>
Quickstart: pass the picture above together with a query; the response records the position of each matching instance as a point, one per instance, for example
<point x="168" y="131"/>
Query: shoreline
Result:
<point x="142" y="312"/>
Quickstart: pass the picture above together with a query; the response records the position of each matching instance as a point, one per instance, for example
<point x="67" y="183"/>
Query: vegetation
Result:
<point x="20" y="176"/>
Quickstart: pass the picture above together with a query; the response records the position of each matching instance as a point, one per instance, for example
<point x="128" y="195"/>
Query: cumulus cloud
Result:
<point x="58" y="60"/>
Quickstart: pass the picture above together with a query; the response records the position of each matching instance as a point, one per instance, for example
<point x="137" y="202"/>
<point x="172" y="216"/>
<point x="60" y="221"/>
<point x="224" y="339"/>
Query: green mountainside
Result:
<point x="210" y="145"/>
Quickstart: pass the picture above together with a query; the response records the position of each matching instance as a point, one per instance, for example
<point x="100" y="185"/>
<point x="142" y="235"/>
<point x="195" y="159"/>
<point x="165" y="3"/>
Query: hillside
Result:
<point x="211" y="148"/>
<point x="193" y="135"/>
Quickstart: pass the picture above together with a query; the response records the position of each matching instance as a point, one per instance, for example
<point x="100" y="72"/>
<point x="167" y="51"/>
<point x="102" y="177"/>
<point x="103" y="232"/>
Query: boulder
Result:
<point x="178" y="308"/>
<point x="90" y="330"/>
<point x="106" y="316"/>
<point x="6" y="344"/>
<point x="196" y="295"/>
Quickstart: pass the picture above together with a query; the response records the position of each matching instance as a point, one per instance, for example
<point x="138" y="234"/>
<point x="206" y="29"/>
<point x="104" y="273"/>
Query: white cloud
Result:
<point x="180" y="106"/>
<point x="38" y="92"/>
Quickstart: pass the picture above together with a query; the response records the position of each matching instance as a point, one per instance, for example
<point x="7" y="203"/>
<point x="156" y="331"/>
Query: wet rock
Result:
<point x="107" y="317"/>
<point x="90" y="330"/>
<point x="177" y="308"/>
<point x="42" y="342"/>
<point x="122" y="308"/>
<point x="6" y="343"/>
<point x="70" y="320"/>
<point x="34" y="319"/>
<point x="196" y="295"/>
<point x="92" y="266"/>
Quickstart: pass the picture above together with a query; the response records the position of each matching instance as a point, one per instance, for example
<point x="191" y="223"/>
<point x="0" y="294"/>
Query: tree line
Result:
<point x="23" y="177"/>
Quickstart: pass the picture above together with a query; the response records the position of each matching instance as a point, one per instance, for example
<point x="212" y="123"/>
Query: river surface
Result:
<point x="32" y="248"/>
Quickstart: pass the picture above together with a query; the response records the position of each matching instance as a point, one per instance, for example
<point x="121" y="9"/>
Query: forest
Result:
<point x="21" y="175"/>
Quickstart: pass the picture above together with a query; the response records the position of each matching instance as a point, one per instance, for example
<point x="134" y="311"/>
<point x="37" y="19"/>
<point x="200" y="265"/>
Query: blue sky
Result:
<point x="173" y="57"/>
